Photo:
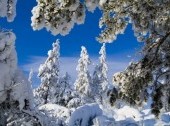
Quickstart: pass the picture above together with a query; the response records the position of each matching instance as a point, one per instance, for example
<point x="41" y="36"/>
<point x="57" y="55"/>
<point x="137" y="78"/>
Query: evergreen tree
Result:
<point x="14" y="87"/>
<point x="49" y="74"/>
<point x="100" y="79"/>
<point x="103" y="69"/>
<point x="83" y="81"/>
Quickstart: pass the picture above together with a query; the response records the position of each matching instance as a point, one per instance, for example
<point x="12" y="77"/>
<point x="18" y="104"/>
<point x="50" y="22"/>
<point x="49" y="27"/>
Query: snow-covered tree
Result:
<point x="150" y="22"/>
<point x="83" y="81"/>
<point x="8" y="9"/>
<point x="100" y="79"/>
<point x="49" y="74"/>
<point x="103" y="69"/>
<point x="14" y="87"/>
<point x="57" y="16"/>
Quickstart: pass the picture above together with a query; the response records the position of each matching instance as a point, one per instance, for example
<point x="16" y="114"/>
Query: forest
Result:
<point x="139" y="95"/>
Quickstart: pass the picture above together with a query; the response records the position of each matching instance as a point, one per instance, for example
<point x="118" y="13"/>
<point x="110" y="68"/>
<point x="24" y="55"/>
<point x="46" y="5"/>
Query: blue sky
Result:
<point x="32" y="46"/>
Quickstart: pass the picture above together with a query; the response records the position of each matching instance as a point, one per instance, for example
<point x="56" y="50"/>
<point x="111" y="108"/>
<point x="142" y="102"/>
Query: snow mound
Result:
<point x="56" y="113"/>
<point x="127" y="112"/>
<point x="84" y="115"/>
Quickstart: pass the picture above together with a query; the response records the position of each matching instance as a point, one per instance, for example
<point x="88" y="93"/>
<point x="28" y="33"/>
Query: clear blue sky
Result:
<point x="37" y="43"/>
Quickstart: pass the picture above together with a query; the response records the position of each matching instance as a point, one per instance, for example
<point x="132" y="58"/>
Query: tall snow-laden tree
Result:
<point x="8" y="9"/>
<point x="49" y="74"/>
<point x="100" y="79"/>
<point x="83" y="81"/>
<point x="14" y="88"/>
<point x="103" y="69"/>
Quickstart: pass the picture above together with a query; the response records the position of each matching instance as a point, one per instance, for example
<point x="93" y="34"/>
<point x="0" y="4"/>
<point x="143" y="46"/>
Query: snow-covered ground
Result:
<point x="92" y="114"/>
<point x="128" y="115"/>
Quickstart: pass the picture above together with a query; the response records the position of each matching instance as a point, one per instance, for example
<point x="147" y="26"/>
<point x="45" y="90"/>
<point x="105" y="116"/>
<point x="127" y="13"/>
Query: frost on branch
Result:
<point x="146" y="17"/>
<point x="60" y="16"/>
<point x="133" y="87"/>
<point x="49" y="73"/>
<point x="8" y="9"/>
<point x="57" y="16"/>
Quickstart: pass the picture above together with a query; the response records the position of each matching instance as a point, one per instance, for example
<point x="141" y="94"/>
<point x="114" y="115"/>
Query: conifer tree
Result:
<point x="83" y="81"/>
<point x="103" y="69"/>
<point x="14" y="87"/>
<point x="49" y="74"/>
<point x="100" y="79"/>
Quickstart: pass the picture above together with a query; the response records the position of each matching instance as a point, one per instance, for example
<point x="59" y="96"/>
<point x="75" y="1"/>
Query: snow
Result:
<point x="102" y="2"/>
<point x="5" y="80"/>
<point x="74" y="103"/>
<point x="83" y="81"/>
<point x="49" y="74"/>
<point x="8" y="9"/>
<point x="56" y="112"/>
<point x="84" y="114"/>
<point x="57" y="16"/>
<point x="91" y="5"/>
<point x="133" y="117"/>
<point x="15" y="90"/>
<point x="103" y="121"/>
<point x="127" y="112"/>
<point x="20" y="90"/>
<point x="8" y="62"/>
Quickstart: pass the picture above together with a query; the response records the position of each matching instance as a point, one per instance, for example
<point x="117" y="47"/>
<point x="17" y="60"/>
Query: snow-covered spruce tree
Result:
<point x="48" y="91"/>
<point x="8" y="9"/>
<point x="14" y="88"/>
<point x="100" y="79"/>
<point x="83" y="82"/>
